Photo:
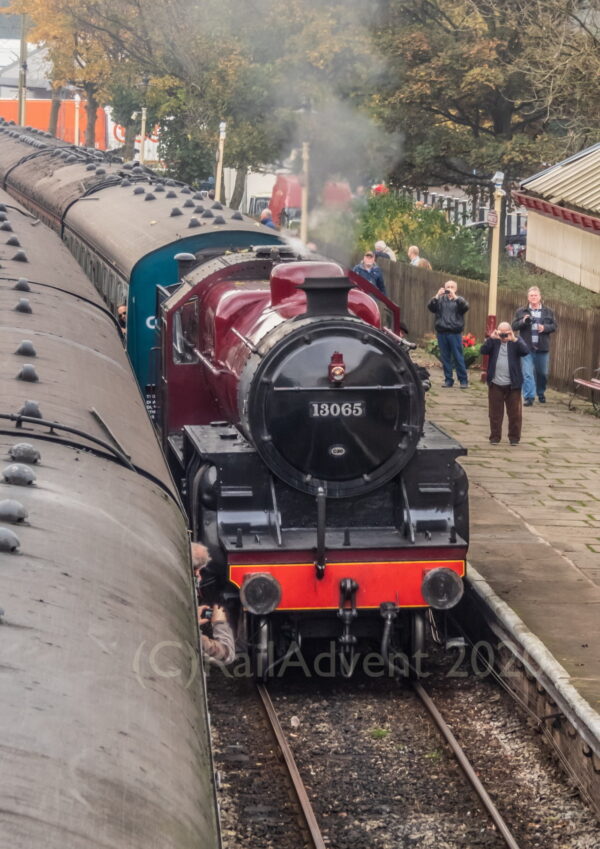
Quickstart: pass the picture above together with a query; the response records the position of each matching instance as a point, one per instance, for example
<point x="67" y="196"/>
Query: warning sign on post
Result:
<point x="492" y="218"/>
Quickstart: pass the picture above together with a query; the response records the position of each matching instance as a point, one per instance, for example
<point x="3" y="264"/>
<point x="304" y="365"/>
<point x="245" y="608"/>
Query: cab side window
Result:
<point x="185" y="333"/>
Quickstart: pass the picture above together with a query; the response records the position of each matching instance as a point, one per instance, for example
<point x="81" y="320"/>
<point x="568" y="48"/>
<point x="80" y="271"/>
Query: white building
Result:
<point x="563" y="226"/>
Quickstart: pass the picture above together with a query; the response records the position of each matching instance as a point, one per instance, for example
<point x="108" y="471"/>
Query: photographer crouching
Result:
<point x="505" y="379"/>
<point x="216" y="635"/>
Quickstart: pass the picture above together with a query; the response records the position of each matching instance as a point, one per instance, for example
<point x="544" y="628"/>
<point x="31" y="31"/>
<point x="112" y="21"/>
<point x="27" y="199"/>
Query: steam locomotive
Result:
<point x="292" y="419"/>
<point x="294" y="422"/>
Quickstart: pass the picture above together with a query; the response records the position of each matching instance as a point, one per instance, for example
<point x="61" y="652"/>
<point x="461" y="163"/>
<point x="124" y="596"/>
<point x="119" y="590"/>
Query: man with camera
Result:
<point x="504" y="378"/>
<point x="216" y="636"/>
<point x="535" y="323"/>
<point x="450" y="309"/>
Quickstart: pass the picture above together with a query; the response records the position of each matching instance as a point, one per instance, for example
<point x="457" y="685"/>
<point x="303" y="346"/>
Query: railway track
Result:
<point x="358" y="764"/>
<point x="308" y="815"/>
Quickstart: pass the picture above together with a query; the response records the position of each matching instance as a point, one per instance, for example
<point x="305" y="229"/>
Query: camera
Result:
<point x="208" y="614"/>
<point x="503" y="335"/>
<point x="446" y="291"/>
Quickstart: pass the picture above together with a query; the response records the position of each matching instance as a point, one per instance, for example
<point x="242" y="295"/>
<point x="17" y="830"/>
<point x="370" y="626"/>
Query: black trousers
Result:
<point x="500" y="397"/>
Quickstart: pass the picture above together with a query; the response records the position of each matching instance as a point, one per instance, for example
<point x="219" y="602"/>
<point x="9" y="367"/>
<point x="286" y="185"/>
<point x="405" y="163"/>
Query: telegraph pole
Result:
<point x="23" y="71"/>
<point x="219" y="176"/>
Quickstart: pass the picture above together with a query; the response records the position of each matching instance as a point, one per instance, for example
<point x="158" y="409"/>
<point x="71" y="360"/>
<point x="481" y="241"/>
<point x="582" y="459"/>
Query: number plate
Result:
<point x="333" y="409"/>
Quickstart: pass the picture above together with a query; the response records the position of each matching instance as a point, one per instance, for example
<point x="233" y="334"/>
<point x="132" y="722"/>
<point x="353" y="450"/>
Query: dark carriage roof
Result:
<point x="123" y="210"/>
<point x="80" y="362"/>
<point x="127" y="226"/>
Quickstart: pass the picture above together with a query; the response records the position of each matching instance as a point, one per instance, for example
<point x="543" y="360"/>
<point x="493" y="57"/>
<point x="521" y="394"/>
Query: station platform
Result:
<point x="535" y="517"/>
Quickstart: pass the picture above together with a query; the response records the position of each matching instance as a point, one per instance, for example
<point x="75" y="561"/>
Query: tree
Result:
<point x="77" y="57"/>
<point x="460" y="83"/>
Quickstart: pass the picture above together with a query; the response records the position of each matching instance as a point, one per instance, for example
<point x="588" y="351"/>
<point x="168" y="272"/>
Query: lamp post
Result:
<point x="304" y="196"/>
<point x="494" y="217"/>
<point x="219" y="176"/>
<point x="77" y="101"/>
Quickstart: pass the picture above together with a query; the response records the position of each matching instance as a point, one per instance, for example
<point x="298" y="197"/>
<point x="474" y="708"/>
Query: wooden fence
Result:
<point x="576" y="342"/>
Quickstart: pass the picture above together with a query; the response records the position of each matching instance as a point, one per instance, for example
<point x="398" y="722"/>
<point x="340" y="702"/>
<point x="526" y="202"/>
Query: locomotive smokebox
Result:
<point x="328" y="400"/>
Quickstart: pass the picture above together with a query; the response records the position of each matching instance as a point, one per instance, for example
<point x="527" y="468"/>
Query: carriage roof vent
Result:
<point x="171" y="194"/>
<point x="219" y="220"/>
<point x="188" y="203"/>
<point x="20" y="256"/>
<point x="18" y="474"/>
<point x="100" y="170"/>
<point x="175" y="211"/>
<point x="28" y="373"/>
<point x="12" y="511"/>
<point x="31" y="409"/>
<point x="198" y="209"/>
<point x="208" y="214"/>
<point x="22" y="284"/>
<point x="9" y="541"/>
<point x="150" y="196"/>
<point x="24" y="452"/>
<point x="139" y="190"/>
<point x="159" y="188"/>
<point x="125" y="182"/>
<point x="194" y="222"/>
<point x="14" y="243"/>
<point x="90" y="167"/>
<point x="7" y="226"/>
<point x="186" y="190"/>
<point x="237" y="216"/>
<point x="23" y="306"/>
<point x="217" y="205"/>
<point x="26" y="349"/>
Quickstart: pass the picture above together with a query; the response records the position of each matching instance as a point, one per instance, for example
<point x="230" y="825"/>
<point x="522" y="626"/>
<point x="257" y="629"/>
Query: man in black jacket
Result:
<point x="450" y="309"/>
<point x="504" y="379"/>
<point x="535" y="323"/>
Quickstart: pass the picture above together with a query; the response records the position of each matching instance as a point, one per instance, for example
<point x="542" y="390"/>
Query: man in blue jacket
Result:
<point x="535" y="323"/>
<point x="369" y="269"/>
<point x="504" y="378"/>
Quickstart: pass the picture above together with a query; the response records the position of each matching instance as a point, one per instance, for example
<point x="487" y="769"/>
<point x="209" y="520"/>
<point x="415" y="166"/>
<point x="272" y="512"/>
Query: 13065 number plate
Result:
<point x="328" y="409"/>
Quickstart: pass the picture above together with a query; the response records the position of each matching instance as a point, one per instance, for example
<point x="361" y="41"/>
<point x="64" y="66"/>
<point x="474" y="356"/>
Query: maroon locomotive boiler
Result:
<point x="294" y="423"/>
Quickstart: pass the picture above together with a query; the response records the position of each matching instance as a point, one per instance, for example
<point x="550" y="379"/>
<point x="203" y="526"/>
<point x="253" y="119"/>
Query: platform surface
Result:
<point x="535" y="517"/>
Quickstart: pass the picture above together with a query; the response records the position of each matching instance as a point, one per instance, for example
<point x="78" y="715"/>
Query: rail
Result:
<point x="465" y="764"/>
<point x="310" y="821"/>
